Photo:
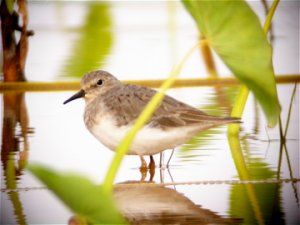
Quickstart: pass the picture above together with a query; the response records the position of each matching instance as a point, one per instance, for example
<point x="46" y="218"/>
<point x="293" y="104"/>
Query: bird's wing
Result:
<point x="128" y="102"/>
<point x="170" y="113"/>
<point x="189" y="118"/>
<point x="173" y="113"/>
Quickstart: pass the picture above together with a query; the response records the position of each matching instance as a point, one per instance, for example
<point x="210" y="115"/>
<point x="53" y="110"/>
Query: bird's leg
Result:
<point x="161" y="159"/>
<point x="143" y="163"/>
<point x="152" y="163"/>
<point x="170" y="158"/>
<point x="151" y="167"/>
<point x="143" y="168"/>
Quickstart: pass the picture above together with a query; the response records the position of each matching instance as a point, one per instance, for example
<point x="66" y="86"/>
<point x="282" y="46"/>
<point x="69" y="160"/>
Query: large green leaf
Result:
<point x="80" y="195"/>
<point x="234" y="32"/>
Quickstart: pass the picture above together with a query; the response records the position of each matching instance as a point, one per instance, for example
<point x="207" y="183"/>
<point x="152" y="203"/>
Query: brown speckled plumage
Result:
<point x="126" y="102"/>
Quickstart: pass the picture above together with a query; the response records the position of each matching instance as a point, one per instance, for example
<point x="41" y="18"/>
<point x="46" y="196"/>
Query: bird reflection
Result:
<point x="150" y="203"/>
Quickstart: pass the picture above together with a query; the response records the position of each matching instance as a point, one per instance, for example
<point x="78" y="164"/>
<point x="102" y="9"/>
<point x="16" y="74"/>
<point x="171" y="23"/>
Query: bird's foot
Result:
<point x="151" y="167"/>
<point x="144" y="168"/>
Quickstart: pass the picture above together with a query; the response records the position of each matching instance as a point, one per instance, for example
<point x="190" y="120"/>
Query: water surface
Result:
<point x="204" y="177"/>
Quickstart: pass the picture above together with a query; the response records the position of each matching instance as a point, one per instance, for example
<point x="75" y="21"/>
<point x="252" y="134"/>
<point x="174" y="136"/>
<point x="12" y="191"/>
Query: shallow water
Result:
<point x="202" y="172"/>
<point x="203" y="183"/>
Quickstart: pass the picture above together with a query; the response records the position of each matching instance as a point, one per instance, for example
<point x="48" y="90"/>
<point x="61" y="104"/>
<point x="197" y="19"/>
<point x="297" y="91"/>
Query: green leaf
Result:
<point x="10" y="5"/>
<point x="234" y="32"/>
<point x="80" y="195"/>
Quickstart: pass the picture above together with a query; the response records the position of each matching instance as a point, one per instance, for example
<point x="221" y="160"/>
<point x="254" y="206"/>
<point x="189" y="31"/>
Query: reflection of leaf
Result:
<point x="80" y="195"/>
<point x="255" y="203"/>
<point x="93" y="44"/>
<point x="200" y="140"/>
<point x="11" y="183"/>
<point x="268" y="199"/>
<point x="234" y="32"/>
<point x="216" y="107"/>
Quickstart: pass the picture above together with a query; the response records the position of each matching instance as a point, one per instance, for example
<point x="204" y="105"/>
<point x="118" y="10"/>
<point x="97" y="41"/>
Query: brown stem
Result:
<point x="14" y="51"/>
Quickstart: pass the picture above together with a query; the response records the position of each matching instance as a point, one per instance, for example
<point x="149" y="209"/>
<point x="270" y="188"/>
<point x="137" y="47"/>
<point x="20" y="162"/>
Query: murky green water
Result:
<point x="204" y="182"/>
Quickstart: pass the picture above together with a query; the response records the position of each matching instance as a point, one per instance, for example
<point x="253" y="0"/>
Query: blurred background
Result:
<point x="137" y="40"/>
<point x="134" y="40"/>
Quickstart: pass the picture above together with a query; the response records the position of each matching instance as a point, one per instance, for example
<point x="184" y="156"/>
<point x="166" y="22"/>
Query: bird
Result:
<point x="112" y="107"/>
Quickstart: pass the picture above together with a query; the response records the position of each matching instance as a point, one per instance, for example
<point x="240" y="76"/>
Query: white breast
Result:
<point x="148" y="141"/>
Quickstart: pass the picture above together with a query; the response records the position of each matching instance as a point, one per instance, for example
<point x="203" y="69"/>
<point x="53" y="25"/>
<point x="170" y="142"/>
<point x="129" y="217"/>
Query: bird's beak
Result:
<point x="79" y="94"/>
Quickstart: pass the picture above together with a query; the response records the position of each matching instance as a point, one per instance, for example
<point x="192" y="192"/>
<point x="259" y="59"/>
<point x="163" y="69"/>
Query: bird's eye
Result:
<point x="99" y="82"/>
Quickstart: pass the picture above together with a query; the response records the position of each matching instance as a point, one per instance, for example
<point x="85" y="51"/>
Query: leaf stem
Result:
<point x="290" y="111"/>
<point x="238" y="109"/>
<point x="208" y="57"/>
<point x="270" y="15"/>
<point x="142" y="119"/>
